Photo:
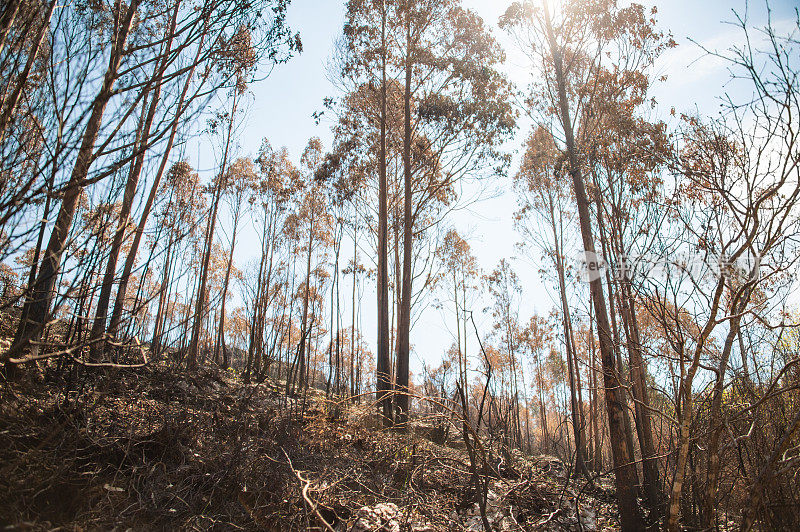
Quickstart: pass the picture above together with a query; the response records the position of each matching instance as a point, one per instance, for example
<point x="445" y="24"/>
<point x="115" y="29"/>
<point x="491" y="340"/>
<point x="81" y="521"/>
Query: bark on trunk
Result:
<point x="38" y="302"/>
<point x="625" y="477"/>
<point x="383" y="385"/>
<point x="404" y="316"/>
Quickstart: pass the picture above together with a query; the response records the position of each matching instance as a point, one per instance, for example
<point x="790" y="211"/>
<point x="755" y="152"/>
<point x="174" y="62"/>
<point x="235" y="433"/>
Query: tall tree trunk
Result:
<point x="10" y="11"/>
<point x="163" y="295"/>
<point x="383" y="385"/>
<point x="625" y="472"/>
<point x="617" y="342"/>
<point x="209" y="243"/>
<point x="116" y="315"/>
<point x="338" y="246"/>
<point x="626" y="415"/>
<point x="38" y="302"/>
<point x="514" y="384"/>
<point x="99" y="325"/>
<point x="614" y="304"/>
<point x="39" y="241"/>
<point x="685" y="410"/>
<point x="597" y="453"/>
<point x="638" y="372"/>
<point x="353" y="322"/>
<point x="221" y="334"/>
<point x="580" y="450"/>
<point x="542" y="409"/>
<point x="577" y="418"/>
<point x="641" y="397"/>
<point x="404" y="316"/>
<point x="304" y="326"/>
<point x="330" y="381"/>
<point x="579" y="390"/>
<point x="258" y="303"/>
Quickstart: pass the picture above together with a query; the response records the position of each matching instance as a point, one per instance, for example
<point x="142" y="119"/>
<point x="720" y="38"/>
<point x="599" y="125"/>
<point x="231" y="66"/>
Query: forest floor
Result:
<point x="152" y="449"/>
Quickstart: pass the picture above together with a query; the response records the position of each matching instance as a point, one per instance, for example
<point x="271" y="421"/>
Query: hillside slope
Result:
<point x="158" y="450"/>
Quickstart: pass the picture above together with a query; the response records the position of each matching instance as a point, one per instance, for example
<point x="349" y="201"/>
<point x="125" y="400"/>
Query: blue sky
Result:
<point x="281" y="110"/>
<point x="284" y="102"/>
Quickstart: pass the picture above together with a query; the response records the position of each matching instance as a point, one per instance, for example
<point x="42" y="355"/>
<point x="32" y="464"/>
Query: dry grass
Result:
<point x="159" y="449"/>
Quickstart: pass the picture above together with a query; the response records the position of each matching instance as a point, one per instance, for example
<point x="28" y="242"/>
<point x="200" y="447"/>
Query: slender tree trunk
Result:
<point x="542" y="409"/>
<point x="597" y="457"/>
<point x="614" y="304"/>
<point x="383" y="385"/>
<point x="99" y="325"/>
<point x="221" y="334"/>
<point x="743" y="355"/>
<point x="331" y="379"/>
<point x="304" y="326"/>
<point x="155" y="344"/>
<point x="215" y="198"/>
<point x="404" y="316"/>
<point x="575" y="407"/>
<point x="685" y="414"/>
<point x="625" y="472"/>
<point x="628" y="425"/>
<point x="257" y="301"/>
<point x="200" y="303"/>
<point x="41" y="296"/>
<point x="579" y="389"/>
<point x="38" y="249"/>
<point x="353" y="317"/>
<point x="580" y="451"/>
<point x="652" y="490"/>
<point x="116" y="315"/>
<point x="10" y="11"/>
<point x="338" y="246"/>
<point x="290" y="306"/>
<point x="266" y="285"/>
<point x="709" y="500"/>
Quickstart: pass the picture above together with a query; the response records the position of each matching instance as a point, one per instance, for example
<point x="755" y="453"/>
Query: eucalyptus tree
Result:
<point x="505" y="289"/>
<point x="575" y="50"/>
<point x="130" y="59"/>
<point x="363" y="57"/>
<point x="279" y="181"/>
<point x="456" y="112"/>
<point x="542" y="189"/>
<point x="427" y="78"/>
<point x="241" y="181"/>
<point x="311" y="222"/>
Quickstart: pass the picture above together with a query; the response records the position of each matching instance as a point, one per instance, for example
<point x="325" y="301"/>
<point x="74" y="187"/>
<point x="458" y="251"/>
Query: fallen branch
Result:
<point x="306" y="486"/>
